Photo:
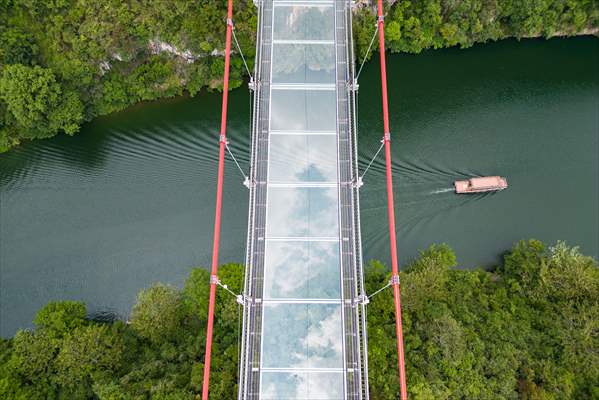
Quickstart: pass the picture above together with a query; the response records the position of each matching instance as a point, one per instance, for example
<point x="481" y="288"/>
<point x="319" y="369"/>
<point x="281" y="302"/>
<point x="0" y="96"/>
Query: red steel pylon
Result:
<point x="219" y="198"/>
<point x="390" y="208"/>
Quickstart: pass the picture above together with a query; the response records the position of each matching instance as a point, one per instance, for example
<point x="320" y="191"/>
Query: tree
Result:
<point x="11" y="389"/>
<point x="522" y="265"/>
<point x="197" y="78"/>
<point x="98" y="50"/>
<point x="33" y="356"/>
<point x="115" y="95"/>
<point x="158" y="313"/>
<point x="59" y="318"/>
<point x="155" y="79"/>
<point x="527" y="330"/>
<point x="428" y="276"/>
<point x="36" y="103"/>
<point x="16" y="47"/>
<point x="225" y="350"/>
<point x="569" y="275"/>
<point x="524" y="331"/>
<point x="89" y="353"/>
<point x="29" y="370"/>
<point x="110" y="391"/>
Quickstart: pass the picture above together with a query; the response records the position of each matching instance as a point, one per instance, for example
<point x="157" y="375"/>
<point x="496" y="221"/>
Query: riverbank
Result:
<point x="98" y="216"/>
<point x="89" y="61"/>
<point x="524" y="330"/>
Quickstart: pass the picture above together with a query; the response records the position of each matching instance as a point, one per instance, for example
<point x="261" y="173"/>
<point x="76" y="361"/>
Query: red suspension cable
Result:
<point x="390" y="208"/>
<point x="219" y="198"/>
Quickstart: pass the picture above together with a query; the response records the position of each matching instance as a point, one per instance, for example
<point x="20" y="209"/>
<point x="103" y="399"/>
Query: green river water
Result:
<point x="130" y="200"/>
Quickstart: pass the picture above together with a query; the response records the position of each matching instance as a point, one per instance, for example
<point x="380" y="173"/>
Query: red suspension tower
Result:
<point x="390" y="207"/>
<point x="219" y="198"/>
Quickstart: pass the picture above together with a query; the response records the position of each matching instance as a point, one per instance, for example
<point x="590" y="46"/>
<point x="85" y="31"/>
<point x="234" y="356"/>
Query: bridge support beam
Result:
<point x="219" y="198"/>
<point x="390" y="207"/>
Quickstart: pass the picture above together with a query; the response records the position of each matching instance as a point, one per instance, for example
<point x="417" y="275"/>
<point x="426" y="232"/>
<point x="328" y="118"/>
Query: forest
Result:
<point x="64" y="62"/>
<point x="528" y="329"/>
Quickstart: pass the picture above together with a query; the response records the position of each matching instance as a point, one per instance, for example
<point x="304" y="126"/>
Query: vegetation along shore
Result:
<point x="526" y="330"/>
<point x="64" y="62"/>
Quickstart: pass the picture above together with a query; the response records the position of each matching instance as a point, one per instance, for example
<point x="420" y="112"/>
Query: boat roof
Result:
<point x="486" y="181"/>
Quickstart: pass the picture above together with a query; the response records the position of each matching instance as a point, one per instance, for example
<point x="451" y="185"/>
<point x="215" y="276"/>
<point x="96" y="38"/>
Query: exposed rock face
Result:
<point x="104" y="67"/>
<point x="157" y="46"/>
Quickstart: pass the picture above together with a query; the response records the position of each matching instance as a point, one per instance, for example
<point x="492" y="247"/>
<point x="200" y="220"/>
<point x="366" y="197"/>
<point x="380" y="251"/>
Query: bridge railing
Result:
<point x="354" y="294"/>
<point x="249" y="362"/>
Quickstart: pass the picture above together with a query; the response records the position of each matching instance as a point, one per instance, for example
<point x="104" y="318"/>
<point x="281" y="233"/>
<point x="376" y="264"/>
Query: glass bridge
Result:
<point x="304" y="325"/>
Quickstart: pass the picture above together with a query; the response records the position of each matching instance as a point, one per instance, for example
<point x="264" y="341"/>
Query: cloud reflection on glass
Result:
<point x="302" y="336"/>
<point x="302" y="270"/>
<point x="303" y="158"/>
<point x="302" y="212"/>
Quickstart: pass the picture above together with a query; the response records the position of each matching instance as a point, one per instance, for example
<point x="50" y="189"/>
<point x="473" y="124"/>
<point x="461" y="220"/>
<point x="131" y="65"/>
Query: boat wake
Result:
<point x="442" y="191"/>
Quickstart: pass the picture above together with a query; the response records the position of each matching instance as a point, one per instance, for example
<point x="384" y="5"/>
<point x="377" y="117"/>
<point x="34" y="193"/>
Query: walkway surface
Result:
<point x="304" y="328"/>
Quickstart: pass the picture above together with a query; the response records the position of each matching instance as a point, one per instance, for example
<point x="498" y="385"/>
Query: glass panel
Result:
<point x="304" y="23"/>
<point x="300" y="270"/>
<point x="303" y="158"/>
<point x="301" y="386"/>
<point x="303" y="63"/>
<point x="302" y="211"/>
<point x="303" y="110"/>
<point x="302" y="336"/>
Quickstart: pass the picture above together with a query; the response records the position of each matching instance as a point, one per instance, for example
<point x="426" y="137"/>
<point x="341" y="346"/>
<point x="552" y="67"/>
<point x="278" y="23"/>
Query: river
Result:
<point x="130" y="200"/>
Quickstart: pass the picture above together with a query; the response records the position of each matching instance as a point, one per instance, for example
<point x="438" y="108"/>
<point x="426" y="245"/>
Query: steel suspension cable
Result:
<point x="380" y="290"/>
<point x="219" y="198"/>
<point x="390" y="207"/>
<point x="234" y="159"/>
<point x="226" y="287"/>
<point x="241" y="54"/>
<point x="367" y="51"/>
<point x="373" y="158"/>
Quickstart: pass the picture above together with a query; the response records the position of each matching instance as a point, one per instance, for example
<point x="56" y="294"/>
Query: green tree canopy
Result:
<point x="33" y="355"/>
<point x="158" y="313"/>
<point x="526" y="330"/>
<point x="17" y="47"/>
<point x="59" y="318"/>
<point x="87" y="353"/>
<point x="36" y="104"/>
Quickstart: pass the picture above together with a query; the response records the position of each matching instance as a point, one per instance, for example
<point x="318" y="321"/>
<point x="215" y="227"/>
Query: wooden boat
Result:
<point x="480" y="184"/>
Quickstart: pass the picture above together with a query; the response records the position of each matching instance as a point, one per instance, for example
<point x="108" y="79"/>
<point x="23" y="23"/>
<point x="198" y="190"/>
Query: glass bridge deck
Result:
<point x="303" y="327"/>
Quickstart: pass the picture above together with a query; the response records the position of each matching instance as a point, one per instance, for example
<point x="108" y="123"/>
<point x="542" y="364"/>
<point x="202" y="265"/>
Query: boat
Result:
<point x="480" y="184"/>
